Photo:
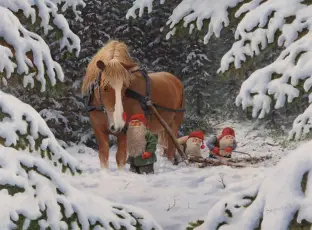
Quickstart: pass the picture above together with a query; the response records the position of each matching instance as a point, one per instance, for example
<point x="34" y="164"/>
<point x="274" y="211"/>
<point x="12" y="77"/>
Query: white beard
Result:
<point x="136" y="142"/>
<point x="192" y="148"/>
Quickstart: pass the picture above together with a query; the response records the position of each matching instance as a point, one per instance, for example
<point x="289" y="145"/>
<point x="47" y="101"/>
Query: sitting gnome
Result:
<point x="141" y="145"/>
<point x="192" y="144"/>
<point x="222" y="145"/>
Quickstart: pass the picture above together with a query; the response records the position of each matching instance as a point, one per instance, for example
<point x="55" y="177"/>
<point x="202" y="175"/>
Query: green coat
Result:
<point x="151" y="145"/>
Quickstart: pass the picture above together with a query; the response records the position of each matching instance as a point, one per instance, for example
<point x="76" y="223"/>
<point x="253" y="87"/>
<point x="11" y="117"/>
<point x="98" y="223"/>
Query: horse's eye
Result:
<point x="105" y="88"/>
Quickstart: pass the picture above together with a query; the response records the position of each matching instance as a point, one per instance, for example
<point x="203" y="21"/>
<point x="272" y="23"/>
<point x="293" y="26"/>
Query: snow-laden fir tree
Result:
<point x="261" y="23"/>
<point x="196" y="80"/>
<point x="34" y="194"/>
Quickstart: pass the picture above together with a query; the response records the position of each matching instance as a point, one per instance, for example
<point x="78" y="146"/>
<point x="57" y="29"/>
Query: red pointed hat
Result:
<point x="227" y="131"/>
<point x="198" y="134"/>
<point x="139" y="117"/>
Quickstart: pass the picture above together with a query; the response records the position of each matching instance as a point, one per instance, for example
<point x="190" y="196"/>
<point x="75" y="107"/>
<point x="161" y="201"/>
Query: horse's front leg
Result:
<point x="121" y="155"/>
<point x="102" y="139"/>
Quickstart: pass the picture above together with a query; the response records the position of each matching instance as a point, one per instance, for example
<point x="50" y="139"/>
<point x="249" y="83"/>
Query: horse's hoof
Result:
<point x="121" y="167"/>
<point x="104" y="166"/>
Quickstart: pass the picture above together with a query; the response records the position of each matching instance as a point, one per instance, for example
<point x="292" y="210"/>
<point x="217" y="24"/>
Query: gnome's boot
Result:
<point x="134" y="169"/>
<point x="146" y="169"/>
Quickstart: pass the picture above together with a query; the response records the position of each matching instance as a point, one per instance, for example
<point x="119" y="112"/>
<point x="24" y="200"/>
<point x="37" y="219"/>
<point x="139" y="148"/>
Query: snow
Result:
<point x="24" y="41"/>
<point x="176" y="195"/>
<point x="277" y="198"/>
<point x="21" y="119"/>
<point x="190" y="11"/>
<point x="141" y="5"/>
<point x="301" y="125"/>
<point x="44" y="189"/>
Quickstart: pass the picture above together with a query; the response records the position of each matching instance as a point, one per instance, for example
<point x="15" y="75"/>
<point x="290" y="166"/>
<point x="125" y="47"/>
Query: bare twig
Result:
<point x="222" y="179"/>
<point x="170" y="207"/>
<point x="271" y="144"/>
<point x="234" y="151"/>
<point x="127" y="184"/>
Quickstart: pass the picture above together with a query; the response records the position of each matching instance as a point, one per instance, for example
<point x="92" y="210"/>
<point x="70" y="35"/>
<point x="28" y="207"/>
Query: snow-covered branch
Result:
<point x="259" y="26"/>
<point x="195" y="11"/>
<point x="22" y="127"/>
<point x="141" y="5"/>
<point x="34" y="195"/>
<point x="293" y="65"/>
<point x="23" y="42"/>
<point x="273" y="203"/>
<point x="301" y="125"/>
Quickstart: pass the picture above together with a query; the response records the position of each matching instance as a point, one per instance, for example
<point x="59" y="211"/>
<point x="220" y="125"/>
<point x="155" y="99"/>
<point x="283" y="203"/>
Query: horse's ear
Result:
<point x="128" y="66"/>
<point x="100" y="64"/>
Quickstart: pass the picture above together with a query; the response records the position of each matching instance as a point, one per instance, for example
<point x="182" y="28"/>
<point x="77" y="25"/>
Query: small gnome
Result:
<point x="193" y="143"/>
<point x="223" y="145"/>
<point x="141" y="145"/>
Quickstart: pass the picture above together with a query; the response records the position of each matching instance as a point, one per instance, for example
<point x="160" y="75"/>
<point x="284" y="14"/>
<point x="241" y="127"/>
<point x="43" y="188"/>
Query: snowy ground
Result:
<point x="176" y="195"/>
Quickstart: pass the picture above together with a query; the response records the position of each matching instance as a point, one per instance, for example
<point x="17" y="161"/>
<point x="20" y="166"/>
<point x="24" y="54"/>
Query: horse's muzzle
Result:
<point x="115" y="130"/>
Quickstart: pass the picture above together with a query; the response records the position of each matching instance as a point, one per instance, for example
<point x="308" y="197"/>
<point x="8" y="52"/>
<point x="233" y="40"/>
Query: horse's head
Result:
<point x="112" y="94"/>
<point x="113" y="63"/>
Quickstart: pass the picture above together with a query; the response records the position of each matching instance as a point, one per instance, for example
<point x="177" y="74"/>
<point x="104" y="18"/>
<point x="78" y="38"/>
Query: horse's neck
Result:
<point x="138" y="83"/>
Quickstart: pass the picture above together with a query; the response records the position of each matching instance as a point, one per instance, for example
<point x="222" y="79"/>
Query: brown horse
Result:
<point x="109" y="76"/>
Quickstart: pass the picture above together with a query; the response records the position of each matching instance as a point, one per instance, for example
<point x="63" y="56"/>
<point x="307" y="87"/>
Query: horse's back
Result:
<point x="165" y="77"/>
<point x="167" y="89"/>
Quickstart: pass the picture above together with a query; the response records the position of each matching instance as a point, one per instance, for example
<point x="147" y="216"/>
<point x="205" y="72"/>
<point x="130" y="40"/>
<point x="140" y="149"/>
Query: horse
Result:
<point x="115" y="87"/>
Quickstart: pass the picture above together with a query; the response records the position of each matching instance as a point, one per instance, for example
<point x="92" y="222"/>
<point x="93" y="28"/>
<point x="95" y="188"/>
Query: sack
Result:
<point x="224" y="142"/>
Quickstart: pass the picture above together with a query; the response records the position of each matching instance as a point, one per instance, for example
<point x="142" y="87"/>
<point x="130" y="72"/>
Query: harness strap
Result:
<point x="142" y="99"/>
<point x="168" y="109"/>
<point x="88" y="99"/>
<point x="98" y="108"/>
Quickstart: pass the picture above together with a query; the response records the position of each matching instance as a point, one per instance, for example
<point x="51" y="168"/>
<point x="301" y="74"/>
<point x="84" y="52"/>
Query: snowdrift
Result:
<point x="283" y="199"/>
<point x="34" y="196"/>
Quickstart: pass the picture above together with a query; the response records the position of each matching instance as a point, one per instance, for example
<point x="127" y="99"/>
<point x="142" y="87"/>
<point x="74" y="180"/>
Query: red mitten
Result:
<point x="146" y="155"/>
<point x="216" y="151"/>
<point x="228" y="149"/>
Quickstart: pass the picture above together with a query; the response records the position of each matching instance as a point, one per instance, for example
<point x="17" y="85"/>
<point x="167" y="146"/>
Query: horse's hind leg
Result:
<point x="163" y="142"/>
<point x="121" y="154"/>
<point x="174" y="125"/>
<point x="171" y="147"/>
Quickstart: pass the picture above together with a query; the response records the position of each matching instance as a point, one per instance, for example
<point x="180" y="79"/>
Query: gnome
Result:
<point x="141" y="145"/>
<point x="193" y="143"/>
<point x="222" y="145"/>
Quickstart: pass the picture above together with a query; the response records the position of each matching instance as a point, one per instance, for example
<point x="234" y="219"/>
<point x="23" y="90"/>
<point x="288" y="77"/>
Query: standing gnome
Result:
<point x="193" y="143"/>
<point x="223" y="145"/>
<point x="141" y="145"/>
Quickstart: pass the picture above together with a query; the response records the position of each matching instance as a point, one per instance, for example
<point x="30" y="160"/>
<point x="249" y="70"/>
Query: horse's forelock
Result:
<point x="115" y="74"/>
<point x="118" y="62"/>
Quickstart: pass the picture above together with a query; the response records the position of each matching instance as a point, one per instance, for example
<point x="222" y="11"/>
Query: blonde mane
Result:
<point x="117" y="60"/>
